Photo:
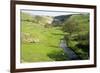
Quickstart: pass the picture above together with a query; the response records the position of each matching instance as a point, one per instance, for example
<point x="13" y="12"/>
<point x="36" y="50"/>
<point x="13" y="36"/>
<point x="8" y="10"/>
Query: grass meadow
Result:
<point x="40" y="37"/>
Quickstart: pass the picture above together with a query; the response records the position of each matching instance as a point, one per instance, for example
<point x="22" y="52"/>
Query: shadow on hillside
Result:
<point x="57" y="34"/>
<point x="57" y="56"/>
<point x="54" y="46"/>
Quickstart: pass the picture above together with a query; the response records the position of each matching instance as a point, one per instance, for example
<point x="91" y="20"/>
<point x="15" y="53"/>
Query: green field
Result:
<point x="40" y="43"/>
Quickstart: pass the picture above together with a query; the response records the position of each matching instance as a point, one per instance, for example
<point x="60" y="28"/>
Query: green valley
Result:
<point x="41" y="37"/>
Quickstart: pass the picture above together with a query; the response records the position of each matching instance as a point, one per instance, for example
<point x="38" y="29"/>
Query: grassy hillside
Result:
<point x="78" y="38"/>
<point x="40" y="43"/>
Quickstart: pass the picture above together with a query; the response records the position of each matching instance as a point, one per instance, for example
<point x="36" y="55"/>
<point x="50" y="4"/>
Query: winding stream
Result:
<point x="71" y="54"/>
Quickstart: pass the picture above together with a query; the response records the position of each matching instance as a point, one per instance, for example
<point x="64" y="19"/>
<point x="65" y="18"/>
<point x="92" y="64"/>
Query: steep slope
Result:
<point x="59" y="20"/>
<point x="78" y="39"/>
<point x="36" y="18"/>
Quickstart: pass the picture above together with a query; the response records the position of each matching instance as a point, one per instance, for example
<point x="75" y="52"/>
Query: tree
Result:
<point x="70" y="26"/>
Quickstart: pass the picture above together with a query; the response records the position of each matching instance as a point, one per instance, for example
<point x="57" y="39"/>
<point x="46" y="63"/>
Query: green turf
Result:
<point x="47" y="47"/>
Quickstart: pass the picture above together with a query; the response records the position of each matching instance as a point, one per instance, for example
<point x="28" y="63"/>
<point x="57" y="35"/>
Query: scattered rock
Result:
<point x="27" y="38"/>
